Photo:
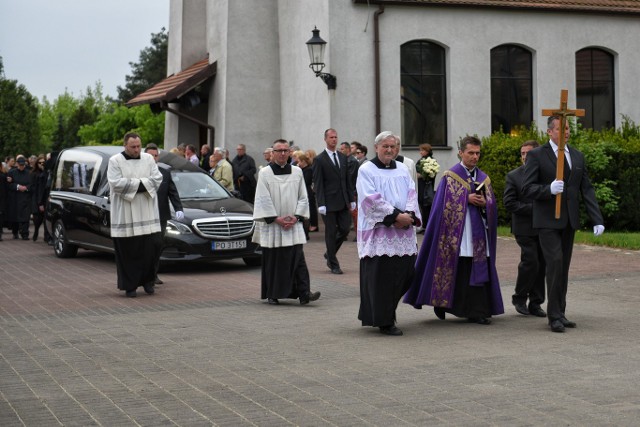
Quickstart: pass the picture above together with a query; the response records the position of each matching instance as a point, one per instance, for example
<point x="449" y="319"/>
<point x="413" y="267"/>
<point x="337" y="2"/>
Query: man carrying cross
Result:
<point x="556" y="232"/>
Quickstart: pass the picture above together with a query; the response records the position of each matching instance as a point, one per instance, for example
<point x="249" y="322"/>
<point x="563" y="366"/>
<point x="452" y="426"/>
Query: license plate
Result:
<point x="228" y="245"/>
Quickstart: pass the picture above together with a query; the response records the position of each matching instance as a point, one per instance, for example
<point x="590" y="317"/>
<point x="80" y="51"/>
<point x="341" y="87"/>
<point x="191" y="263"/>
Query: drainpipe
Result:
<point x="376" y="66"/>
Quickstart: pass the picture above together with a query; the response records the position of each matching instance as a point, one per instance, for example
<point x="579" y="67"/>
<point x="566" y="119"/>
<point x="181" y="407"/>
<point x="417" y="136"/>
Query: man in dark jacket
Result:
<point x="20" y="199"/>
<point x="166" y="193"/>
<point x="530" y="281"/>
<point x="244" y="174"/>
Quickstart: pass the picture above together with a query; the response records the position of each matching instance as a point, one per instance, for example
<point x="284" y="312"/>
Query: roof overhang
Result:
<point x="176" y="85"/>
<point x="630" y="7"/>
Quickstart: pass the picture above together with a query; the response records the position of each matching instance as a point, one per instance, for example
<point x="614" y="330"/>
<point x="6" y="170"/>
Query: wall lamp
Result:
<point x="316" y="54"/>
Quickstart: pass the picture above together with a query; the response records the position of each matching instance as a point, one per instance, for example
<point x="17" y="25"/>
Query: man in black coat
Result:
<point x="20" y="199"/>
<point x="244" y="174"/>
<point x="334" y="194"/>
<point x="530" y="281"/>
<point x="167" y="192"/>
<point x="556" y="235"/>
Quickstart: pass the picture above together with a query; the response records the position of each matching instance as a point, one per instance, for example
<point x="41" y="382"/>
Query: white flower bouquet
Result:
<point x="429" y="167"/>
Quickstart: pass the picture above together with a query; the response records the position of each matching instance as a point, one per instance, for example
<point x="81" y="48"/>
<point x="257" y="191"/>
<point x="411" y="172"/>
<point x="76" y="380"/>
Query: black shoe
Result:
<point x="336" y="270"/>
<point x="149" y="289"/>
<point x="35" y="237"/>
<point x="313" y="296"/>
<point x="479" y="320"/>
<point x="391" y="330"/>
<point x="556" y="326"/>
<point x="15" y="237"/>
<point x="132" y="294"/>
<point x="273" y="301"/>
<point x="25" y="237"/>
<point x="440" y="313"/>
<point x="537" y="311"/>
<point x="157" y="281"/>
<point x="521" y="308"/>
<point x="567" y="323"/>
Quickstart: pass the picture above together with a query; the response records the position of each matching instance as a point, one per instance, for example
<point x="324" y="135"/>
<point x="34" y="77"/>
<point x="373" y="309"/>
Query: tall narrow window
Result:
<point x="423" y="94"/>
<point x="595" y="88"/>
<point x="511" y="88"/>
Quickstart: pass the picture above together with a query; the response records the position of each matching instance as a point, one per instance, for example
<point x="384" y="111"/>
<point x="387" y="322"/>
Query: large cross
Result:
<point x="563" y="112"/>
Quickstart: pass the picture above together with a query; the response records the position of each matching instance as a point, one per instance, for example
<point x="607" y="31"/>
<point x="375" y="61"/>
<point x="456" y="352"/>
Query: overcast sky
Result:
<point x="53" y="45"/>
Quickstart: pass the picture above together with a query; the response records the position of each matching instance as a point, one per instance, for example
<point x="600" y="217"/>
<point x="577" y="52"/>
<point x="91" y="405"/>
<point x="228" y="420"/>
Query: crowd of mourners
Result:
<point x="24" y="184"/>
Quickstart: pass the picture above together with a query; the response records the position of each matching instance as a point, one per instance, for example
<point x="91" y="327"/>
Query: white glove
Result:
<point x="322" y="210"/>
<point x="598" y="230"/>
<point x="557" y="187"/>
<point x="179" y="215"/>
<point x="353" y="206"/>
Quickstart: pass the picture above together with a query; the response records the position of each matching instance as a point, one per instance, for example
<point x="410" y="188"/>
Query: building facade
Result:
<point x="430" y="71"/>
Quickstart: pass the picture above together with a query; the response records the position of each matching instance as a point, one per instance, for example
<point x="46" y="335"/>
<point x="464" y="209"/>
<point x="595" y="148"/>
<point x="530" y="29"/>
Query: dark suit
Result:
<point x="334" y="191"/>
<point x="167" y="192"/>
<point x="556" y="235"/>
<point x="530" y="281"/>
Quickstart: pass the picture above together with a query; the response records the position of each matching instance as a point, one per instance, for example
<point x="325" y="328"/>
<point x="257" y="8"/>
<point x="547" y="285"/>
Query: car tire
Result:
<point x="253" y="261"/>
<point x="61" y="246"/>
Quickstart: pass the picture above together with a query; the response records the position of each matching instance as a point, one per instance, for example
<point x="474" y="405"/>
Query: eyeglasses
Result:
<point x="280" y="151"/>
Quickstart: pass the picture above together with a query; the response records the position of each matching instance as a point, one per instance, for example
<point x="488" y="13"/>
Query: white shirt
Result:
<point x="566" y="151"/>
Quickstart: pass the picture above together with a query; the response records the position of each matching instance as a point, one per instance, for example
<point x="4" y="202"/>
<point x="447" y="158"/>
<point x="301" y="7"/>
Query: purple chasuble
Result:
<point x="436" y="266"/>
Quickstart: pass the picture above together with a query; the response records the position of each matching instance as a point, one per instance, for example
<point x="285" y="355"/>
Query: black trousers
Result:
<point x="336" y="230"/>
<point x="469" y="301"/>
<point x="557" y="248"/>
<point x="531" y="271"/>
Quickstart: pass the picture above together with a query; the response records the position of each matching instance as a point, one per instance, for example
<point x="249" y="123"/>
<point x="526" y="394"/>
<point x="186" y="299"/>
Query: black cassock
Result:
<point x="284" y="273"/>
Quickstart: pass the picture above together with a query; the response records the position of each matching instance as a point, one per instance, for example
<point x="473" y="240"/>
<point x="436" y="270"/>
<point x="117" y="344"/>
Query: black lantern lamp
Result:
<point x="316" y="54"/>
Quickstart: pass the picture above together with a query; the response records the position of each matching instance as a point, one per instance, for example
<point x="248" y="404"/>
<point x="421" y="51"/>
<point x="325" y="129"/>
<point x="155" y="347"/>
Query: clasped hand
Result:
<point x="477" y="200"/>
<point x="403" y="220"/>
<point x="286" y="222"/>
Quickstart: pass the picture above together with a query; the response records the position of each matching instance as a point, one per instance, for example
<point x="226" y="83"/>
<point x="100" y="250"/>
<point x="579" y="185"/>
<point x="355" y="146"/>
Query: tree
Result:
<point x="111" y="126"/>
<point x="19" y="129"/>
<point x="149" y="70"/>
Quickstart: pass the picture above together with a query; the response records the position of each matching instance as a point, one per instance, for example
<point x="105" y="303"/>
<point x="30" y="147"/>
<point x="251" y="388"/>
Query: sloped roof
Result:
<point x="601" y="6"/>
<point x="176" y="85"/>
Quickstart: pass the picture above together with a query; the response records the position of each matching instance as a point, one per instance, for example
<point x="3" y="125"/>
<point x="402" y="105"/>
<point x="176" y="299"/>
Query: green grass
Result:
<point x="612" y="239"/>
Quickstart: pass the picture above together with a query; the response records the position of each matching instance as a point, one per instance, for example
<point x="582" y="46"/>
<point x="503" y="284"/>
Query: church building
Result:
<point x="428" y="70"/>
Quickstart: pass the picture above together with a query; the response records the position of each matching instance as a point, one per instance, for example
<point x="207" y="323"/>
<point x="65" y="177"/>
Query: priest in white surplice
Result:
<point x="280" y="207"/>
<point x="387" y="213"/>
<point x="134" y="180"/>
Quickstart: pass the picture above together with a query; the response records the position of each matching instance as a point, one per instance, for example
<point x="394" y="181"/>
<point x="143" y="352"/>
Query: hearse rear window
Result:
<point x="77" y="171"/>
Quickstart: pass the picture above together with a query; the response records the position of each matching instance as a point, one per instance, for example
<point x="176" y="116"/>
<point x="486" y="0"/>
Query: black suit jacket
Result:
<point x="540" y="172"/>
<point x="167" y="192"/>
<point x="521" y="207"/>
<point x="332" y="186"/>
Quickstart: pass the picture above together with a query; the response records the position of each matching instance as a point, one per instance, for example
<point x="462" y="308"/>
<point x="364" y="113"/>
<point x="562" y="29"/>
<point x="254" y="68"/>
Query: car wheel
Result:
<point x="61" y="246"/>
<point x="253" y="261"/>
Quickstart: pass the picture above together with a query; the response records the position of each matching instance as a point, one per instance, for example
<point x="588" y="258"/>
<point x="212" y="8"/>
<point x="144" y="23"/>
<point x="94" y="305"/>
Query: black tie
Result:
<point x="335" y="160"/>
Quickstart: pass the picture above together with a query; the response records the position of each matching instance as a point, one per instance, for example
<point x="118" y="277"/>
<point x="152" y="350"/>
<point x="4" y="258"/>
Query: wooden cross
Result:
<point x="563" y="112"/>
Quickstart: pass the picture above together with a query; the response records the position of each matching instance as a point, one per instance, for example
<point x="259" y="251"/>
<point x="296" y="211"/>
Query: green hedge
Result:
<point x="611" y="157"/>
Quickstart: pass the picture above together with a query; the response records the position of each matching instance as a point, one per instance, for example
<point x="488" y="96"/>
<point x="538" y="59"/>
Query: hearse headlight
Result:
<point x="175" y="227"/>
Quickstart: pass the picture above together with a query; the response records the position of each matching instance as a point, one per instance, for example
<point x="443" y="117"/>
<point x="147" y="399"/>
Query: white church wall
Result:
<point x="306" y="101"/>
<point x="187" y="45"/>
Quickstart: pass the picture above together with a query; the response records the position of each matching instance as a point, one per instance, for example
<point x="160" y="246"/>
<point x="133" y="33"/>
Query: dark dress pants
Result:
<point x="557" y="248"/>
<point x="336" y="230"/>
<point x="531" y="271"/>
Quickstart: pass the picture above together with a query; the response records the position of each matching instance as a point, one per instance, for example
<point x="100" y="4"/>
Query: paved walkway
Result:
<point x="204" y="350"/>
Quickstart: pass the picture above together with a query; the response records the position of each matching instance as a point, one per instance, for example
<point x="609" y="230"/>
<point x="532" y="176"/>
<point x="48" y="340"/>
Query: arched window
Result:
<point x="511" y="88"/>
<point x="595" y="88"/>
<point x="423" y="94"/>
